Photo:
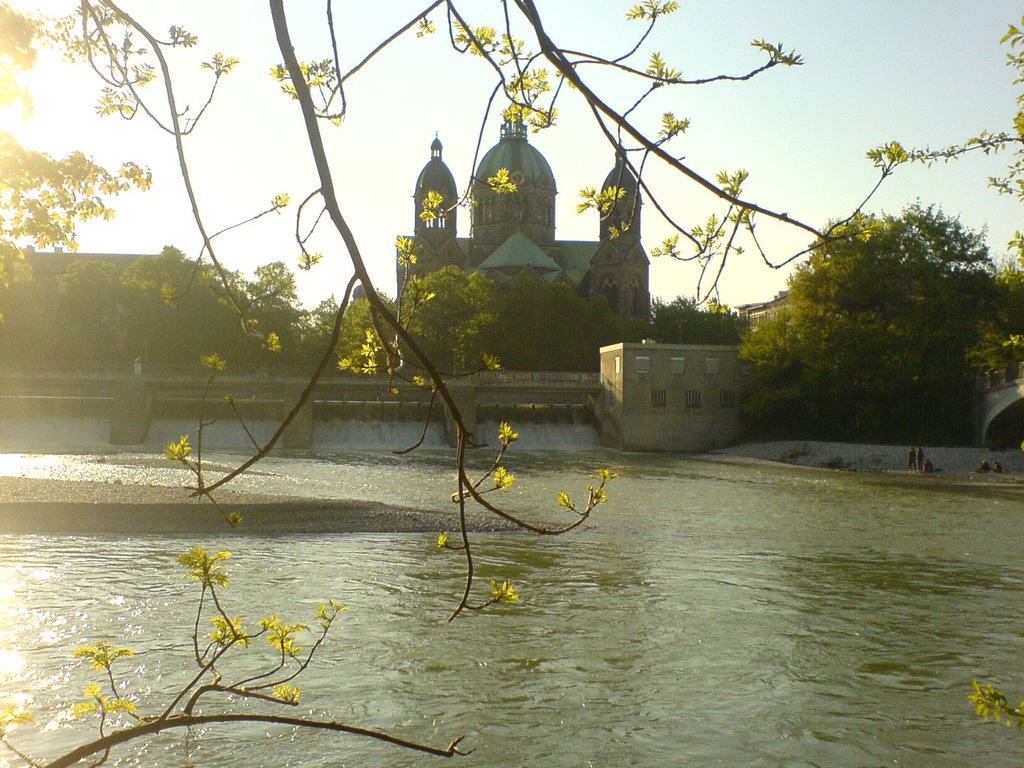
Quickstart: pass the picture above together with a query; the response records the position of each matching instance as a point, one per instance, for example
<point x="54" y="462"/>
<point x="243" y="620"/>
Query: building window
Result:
<point x="636" y="295"/>
<point x="727" y="398"/>
<point x="658" y="398"/>
<point x="677" y="365"/>
<point x="711" y="365"/>
<point x="642" y="364"/>
<point x="693" y="398"/>
<point x="618" y="364"/>
<point x="610" y="289"/>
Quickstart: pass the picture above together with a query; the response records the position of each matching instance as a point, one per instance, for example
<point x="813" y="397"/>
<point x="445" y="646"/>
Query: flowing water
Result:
<point x="711" y="615"/>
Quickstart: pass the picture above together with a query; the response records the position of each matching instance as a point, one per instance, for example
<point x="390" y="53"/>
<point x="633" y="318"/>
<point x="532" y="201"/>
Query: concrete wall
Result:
<point x="669" y="397"/>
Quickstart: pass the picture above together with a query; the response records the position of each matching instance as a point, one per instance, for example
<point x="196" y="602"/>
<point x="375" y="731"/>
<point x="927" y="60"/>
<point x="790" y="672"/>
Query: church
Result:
<point x="514" y="232"/>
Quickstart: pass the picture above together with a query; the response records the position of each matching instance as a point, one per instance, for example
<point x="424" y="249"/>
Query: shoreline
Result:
<point x="952" y="464"/>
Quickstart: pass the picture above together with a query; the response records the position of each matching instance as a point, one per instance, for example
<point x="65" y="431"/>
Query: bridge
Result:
<point x="133" y="399"/>
<point x="1001" y="407"/>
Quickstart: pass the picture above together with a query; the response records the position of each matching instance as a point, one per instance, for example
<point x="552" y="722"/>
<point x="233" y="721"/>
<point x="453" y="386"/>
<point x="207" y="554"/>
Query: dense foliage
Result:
<point x="873" y="343"/>
<point x="163" y="309"/>
<point x="169" y="312"/>
<point x="683" y="321"/>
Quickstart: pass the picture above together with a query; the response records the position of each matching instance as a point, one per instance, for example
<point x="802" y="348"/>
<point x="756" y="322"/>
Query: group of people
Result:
<point x="916" y="462"/>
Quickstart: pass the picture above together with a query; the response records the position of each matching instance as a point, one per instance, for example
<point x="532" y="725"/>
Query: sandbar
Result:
<point x="59" y="507"/>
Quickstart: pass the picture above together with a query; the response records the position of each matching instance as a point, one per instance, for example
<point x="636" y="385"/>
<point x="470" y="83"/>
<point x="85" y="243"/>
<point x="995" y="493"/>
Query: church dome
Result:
<point x="436" y="177"/>
<point x="516" y="154"/>
<point x="625" y="213"/>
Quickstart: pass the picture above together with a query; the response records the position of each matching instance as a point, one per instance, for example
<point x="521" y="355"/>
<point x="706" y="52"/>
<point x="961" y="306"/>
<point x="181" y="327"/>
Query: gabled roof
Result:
<point x="576" y="256"/>
<point x="518" y="252"/>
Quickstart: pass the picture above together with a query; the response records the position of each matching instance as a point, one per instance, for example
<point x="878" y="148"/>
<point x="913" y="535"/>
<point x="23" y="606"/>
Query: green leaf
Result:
<point x="178" y="451"/>
<point x="205" y="568"/>
<point x="503" y="592"/>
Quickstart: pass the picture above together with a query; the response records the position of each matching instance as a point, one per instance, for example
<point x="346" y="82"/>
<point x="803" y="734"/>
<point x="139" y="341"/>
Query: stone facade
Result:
<point x="669" y="397"/>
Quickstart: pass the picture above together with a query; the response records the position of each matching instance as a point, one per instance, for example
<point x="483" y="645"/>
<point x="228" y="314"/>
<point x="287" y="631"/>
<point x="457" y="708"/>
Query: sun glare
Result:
<point x="12" y="465"/>
<point x="11" y="663"/>
<point x="34" y="103"/>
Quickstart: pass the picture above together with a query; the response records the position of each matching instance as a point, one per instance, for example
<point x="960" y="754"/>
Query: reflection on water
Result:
<point x="711" y="615"/>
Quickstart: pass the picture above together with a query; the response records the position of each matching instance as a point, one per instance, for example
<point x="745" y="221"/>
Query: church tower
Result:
<point x="436" y="237"/>
<point x="619" y="269"/>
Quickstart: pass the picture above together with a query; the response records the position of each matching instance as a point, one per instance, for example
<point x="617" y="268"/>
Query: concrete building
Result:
<point x="514" y="232"/>
<point x="669" y="397"/>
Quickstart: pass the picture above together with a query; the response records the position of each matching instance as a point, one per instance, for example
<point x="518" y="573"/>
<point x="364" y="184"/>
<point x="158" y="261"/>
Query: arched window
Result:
<point x="636" y="308"/>
<point x="610" y="290"/>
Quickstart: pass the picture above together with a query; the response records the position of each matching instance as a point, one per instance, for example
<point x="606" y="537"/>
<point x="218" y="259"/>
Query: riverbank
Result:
<point x="961" y="464"/>
<point x="40" y="506"/>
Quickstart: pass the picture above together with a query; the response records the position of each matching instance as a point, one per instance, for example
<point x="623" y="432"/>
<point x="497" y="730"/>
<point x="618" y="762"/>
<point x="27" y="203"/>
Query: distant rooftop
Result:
<point x="57" y="260"/>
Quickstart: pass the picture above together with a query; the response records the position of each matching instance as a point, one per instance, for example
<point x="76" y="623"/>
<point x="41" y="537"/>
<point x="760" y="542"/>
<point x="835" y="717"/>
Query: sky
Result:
<point x="921" y="72"/>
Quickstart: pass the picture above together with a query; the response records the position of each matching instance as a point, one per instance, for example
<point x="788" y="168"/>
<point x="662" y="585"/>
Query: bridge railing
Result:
<point x="1008" y="377"/>
<point x="537" y="377"/>
<point x="173" y="372"/>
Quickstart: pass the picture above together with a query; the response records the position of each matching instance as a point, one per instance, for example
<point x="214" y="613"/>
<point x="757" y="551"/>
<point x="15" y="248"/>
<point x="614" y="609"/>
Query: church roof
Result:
<point x="516" y="154"/>
<point x="576" y="256"/>
<point x="518" y="252"/>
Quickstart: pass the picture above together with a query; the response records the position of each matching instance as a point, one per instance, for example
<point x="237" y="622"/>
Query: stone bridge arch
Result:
<point x="1002" y="413"/>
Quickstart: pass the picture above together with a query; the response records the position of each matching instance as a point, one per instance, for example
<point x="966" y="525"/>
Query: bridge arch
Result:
<point x="1002" y="415"/>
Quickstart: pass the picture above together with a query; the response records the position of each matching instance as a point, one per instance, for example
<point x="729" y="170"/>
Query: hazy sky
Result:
<point x="921" y="72"/>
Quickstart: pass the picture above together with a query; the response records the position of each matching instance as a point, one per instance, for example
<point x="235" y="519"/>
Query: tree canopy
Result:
<point x="684" y="321"/>
<point x="873" y="342"/>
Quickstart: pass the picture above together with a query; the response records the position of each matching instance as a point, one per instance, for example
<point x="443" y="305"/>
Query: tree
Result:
<point x="1001" y="343"/>
<point x="177" y="314"/>
<point x="874" y="341"/>
<point x="683" y="321"/>
<point x="548" y="327"/>
<point x="42" y="197"/>
<point x="456" y="321"/>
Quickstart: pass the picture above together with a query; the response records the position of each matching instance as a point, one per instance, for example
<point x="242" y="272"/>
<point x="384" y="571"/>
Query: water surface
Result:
<point x="712" y="614"/>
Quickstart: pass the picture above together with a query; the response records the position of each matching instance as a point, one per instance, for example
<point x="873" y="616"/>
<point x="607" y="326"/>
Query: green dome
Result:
<point x="516" y="154"/>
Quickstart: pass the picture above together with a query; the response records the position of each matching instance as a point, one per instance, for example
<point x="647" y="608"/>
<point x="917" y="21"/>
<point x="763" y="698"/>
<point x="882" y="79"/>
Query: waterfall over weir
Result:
<point x="85" y="423"/>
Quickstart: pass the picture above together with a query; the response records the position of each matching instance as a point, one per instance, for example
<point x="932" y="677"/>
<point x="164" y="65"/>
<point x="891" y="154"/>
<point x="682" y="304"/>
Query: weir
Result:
<point x="648" y="397"/>
<point x="243" y="411"/>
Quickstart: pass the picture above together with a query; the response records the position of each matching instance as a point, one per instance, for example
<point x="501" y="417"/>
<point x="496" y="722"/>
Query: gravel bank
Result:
<point x="30" y="505"/>
<point x="960" y="464"/>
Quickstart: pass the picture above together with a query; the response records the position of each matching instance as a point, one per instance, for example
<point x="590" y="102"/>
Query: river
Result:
<point x="712" y="614"/>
